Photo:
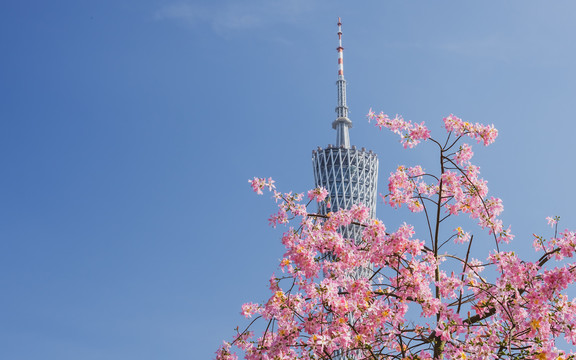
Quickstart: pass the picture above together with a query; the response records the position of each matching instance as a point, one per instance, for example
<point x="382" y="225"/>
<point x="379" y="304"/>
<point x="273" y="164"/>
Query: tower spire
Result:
<point x="342" y="123"/>
<point x="340" y="51"/>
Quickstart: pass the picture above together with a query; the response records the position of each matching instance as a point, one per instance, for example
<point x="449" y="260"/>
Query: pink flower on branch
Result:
<point x="259" y="183"/>
<point x="281" y="217"/>
<point x="463" y="155"/>
<point x="481" y="133"/>
<point x="318" y="194"/>
<point x="223" y="353"/>
<point x="410" y="134"/>
<point x="552" y="220"/>
<point x="461" y="236"/>
<point x="250" y="309"/>
<point x="407" y="186"/>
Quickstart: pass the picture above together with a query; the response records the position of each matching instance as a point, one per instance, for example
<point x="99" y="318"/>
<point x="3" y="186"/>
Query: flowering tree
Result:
<point x="425" y="299"/>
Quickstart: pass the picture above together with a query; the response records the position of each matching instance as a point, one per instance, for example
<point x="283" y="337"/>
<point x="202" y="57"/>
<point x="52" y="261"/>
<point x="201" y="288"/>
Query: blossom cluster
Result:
<point x="482" y="133"/>
<point x="407" y="186"/>
<point x="462" y="191"/>
<point x="318" y="194"/>
<point x="322" y="263"/>
<point x="358" y="297"/>
<point x="463" y="155"/>
<point x="260" y="183"/>
<point x="466" y="192"/>
<point x="410" y="134"/>
<point x="328" y="309"/>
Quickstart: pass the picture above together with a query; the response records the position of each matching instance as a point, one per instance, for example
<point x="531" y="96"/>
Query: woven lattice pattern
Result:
<point x="350" y="176"/>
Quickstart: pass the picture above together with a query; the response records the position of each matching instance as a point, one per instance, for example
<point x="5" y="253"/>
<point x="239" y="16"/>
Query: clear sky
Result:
<point x="129" y="130"/>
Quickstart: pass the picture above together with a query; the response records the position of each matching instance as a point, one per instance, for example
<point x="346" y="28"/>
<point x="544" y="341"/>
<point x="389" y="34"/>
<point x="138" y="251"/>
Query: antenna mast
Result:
<point x="342" y="123"/>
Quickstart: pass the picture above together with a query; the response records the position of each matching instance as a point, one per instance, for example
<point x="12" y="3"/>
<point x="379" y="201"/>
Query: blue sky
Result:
<point x="129" y="130"/>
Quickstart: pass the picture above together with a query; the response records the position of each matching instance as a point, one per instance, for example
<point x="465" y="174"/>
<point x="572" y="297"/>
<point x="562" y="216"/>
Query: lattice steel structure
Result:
<point x="350" y="175"/>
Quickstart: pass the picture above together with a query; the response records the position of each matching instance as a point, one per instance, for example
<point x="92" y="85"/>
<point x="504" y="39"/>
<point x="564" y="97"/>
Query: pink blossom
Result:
<point x="281" y="217"/>
<point x="319" y="194"/>
<point x="410" y="134"/>
<point x="552" y="220"/>
<point x="461" y="236"/>
<point x="223" y="352"/>
<point x="482" y="133"/>
<point x="249" y="309"/>
<point x="464" y="154"/>
<point x="259" y="183"/>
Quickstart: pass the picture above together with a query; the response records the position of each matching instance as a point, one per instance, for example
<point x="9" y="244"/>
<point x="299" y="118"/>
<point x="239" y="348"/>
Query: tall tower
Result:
<point x="350" y="175"/>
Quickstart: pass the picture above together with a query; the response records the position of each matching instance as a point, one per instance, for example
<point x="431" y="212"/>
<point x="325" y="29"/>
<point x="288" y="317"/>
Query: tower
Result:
<point x="350" y="175"/>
